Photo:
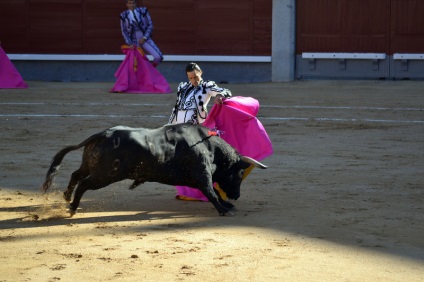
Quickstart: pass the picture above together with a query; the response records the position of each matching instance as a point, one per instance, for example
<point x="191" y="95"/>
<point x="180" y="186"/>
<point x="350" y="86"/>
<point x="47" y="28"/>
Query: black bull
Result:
<point x="181" y="154"/>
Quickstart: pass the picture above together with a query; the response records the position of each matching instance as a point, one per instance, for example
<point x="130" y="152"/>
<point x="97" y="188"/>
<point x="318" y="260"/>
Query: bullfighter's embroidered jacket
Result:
<point x="142" y="22"/>
<point x="192" y="101"/>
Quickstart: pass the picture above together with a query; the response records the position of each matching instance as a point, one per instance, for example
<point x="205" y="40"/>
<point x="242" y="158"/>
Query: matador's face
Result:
<point x="195" y="77"/>
<point x="131" y="4"/>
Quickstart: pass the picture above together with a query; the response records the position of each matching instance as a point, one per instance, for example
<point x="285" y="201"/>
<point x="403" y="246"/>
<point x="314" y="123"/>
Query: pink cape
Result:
<point x="137" y="75"/>
<point x="9" y="75"/>
<point x="237" y="122"/>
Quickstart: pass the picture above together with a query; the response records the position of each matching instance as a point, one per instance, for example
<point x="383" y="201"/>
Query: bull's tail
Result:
<point x="58" y="158"/>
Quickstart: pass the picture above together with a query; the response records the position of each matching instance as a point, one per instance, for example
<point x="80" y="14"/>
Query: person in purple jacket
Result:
<point x="137" y="28"/>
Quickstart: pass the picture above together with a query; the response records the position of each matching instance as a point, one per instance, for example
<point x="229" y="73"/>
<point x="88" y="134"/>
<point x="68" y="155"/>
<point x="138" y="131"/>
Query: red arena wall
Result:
<point x="186" y="27"/>
<point x="379" y="26"/>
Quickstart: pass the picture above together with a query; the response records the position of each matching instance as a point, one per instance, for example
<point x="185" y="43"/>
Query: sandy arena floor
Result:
<point x="342" y="199"/>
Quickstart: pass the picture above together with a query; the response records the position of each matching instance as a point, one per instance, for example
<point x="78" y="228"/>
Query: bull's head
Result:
<point x="241" y="169"/>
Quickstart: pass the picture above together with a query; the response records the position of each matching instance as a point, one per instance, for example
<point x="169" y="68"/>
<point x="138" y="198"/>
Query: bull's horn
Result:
<point x="253" y="162"/>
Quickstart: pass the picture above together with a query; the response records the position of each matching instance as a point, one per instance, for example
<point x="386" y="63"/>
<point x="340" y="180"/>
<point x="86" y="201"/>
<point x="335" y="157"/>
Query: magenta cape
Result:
<point x="237" y="121"/>
<point x="9" y="75"/>
<point x="236" y="118"/>
<point x="137" y="75"/>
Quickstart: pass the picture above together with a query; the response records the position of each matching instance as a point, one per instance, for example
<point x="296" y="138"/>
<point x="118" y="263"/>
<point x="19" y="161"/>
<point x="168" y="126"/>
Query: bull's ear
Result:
<point x="253" y="162"/>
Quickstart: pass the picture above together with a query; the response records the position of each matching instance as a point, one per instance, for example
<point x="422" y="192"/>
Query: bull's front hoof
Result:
<point x="227" y="213"/>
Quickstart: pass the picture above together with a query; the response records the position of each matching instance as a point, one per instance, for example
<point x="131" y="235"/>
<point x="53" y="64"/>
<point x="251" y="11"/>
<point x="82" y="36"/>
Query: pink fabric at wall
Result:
<point x="137" y="75"/>
<point x="9" y="75"/>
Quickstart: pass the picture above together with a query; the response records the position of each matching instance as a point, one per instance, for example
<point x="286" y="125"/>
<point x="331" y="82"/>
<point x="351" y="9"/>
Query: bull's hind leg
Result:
<point x="76" y="177"/>
<point x="88" y="183"/>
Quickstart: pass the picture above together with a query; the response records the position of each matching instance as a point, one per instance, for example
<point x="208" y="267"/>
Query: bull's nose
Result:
<point x="235" y="197"/>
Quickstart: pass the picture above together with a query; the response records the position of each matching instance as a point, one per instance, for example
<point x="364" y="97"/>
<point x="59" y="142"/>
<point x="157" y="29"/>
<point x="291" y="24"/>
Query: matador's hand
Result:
<point x="141" y="41"/>
<point x="219" y="99"/>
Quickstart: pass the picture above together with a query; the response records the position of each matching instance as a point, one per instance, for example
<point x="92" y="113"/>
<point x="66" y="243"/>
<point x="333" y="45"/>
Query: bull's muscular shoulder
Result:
<point x="185" y="132"/>
<point x="197" y="138"/>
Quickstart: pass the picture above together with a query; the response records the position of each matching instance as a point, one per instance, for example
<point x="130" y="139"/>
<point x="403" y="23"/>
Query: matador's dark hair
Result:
<point x="192" y="67"/>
